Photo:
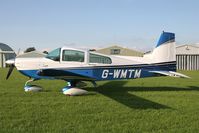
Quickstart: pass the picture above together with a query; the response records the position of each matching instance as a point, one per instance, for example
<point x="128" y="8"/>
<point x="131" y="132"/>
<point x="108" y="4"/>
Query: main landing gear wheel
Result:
<point x="31" y="88"/>
<point x="72" y="90"/>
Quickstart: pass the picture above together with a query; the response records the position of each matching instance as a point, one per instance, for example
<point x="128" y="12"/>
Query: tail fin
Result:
<point x="166" y="37"/>
<point x="165" y="52"/>
<point x="165" y="49"/>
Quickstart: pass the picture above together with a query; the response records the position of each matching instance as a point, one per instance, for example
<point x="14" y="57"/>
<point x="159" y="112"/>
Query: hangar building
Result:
<point x="187" y="57"/>
<point x="117" y="50"/>
<point x="5" y="53"/>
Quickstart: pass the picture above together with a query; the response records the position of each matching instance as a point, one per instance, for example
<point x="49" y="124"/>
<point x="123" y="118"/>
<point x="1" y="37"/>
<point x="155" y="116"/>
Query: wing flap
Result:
<point x="170" y="73"/>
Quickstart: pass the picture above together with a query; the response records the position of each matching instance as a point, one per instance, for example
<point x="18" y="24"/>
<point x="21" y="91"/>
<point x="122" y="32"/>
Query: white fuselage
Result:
<point x="163" y="53"/>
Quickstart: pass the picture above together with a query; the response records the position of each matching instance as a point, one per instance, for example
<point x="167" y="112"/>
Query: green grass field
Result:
<point x="163" y="104"/>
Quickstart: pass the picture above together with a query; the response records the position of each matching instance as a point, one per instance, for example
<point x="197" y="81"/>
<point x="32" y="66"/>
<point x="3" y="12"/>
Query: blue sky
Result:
<point x="96" y="23"/>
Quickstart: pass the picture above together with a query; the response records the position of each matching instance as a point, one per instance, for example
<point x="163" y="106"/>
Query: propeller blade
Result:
<point x="10" y="71"/>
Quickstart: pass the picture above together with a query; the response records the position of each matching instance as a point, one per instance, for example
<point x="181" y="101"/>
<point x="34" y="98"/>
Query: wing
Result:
<point x="170" y="73"/>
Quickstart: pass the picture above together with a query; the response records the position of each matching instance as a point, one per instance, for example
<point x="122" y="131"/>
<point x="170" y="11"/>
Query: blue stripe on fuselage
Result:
<point x="33" y="74"/>
<point x="109" y="73"/>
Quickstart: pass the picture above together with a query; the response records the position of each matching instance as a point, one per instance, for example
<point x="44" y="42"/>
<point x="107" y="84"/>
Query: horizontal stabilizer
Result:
<point x="170" y="73"/>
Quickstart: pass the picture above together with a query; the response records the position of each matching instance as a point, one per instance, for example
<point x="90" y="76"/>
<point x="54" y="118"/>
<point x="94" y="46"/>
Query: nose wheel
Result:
<point x="31" y="88"/>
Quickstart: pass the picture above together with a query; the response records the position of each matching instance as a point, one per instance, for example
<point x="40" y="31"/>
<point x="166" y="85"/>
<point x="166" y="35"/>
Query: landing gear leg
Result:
<point x="33" y="88"/>
<point x="72" y="90"/>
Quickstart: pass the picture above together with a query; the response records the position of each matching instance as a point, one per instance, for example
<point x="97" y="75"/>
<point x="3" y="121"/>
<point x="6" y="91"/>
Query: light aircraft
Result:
<point x="76" y="65"/>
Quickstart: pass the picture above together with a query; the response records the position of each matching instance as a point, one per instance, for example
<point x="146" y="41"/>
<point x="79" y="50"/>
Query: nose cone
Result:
<point x="10" y="62"/>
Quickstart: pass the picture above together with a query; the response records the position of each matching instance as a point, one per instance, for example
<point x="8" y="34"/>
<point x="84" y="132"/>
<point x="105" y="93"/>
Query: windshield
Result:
<point x="54" y="55"/>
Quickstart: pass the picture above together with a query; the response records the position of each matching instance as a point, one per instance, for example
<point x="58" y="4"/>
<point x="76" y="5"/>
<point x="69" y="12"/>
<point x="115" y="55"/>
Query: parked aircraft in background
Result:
<point x="76" y="65"/>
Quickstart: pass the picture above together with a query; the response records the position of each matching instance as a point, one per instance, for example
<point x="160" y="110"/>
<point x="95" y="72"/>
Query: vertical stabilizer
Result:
<point x="165" y="49"/>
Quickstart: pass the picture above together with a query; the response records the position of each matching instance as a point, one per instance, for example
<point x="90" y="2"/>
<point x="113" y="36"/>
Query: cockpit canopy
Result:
<point x="71" y="55"/>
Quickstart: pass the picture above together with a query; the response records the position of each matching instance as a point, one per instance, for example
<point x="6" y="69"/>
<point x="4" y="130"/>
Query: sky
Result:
<point x="48" y="24"/>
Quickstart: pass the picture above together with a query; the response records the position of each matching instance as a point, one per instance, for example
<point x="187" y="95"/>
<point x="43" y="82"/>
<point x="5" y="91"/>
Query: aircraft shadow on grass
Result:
<point x="118" y="92"/>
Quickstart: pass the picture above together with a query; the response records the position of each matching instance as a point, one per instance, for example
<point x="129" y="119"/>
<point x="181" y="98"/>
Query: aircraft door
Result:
<point x="72" y="57"/>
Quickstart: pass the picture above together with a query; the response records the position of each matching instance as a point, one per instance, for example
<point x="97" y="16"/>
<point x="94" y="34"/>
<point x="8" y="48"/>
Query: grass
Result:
<point x="143" y="105"/>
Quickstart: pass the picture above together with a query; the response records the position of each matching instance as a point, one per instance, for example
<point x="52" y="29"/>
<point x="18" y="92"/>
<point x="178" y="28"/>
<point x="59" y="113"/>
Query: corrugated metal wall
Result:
<point x="1" y="60"/>
<point x="187" y="62"/>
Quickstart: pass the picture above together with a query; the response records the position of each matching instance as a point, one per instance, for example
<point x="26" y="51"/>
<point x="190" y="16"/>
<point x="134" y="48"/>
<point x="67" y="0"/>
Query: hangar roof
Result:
<point x="187" y="50"/>
<point x="7" y="51"/>
<point x="5" y="47"/>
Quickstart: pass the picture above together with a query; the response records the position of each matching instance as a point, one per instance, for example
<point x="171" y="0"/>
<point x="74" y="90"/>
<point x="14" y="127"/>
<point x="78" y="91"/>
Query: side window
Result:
<point x="54" y="55"/>
<point x="73" y="55"/>
<point x="94" y="58"/>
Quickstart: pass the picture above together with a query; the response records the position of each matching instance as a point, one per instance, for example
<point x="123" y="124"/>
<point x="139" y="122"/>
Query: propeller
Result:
<point x="11" y="64"/>
<point x="10" y="71"/>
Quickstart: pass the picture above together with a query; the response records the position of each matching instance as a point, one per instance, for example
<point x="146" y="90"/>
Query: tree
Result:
<point x="45" y="52"/>
<point x="29" y="49"/>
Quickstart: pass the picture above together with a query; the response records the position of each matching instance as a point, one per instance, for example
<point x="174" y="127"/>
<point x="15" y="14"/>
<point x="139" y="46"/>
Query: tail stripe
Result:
<point x="166" y="37"/>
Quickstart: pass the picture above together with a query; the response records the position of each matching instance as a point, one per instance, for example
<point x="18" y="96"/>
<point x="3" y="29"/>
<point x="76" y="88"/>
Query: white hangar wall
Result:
<point x="187" y="57"/>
